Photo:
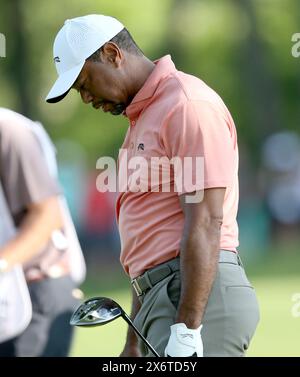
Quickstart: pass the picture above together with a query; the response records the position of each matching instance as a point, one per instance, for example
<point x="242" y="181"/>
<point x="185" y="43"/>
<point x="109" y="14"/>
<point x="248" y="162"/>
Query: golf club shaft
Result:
<point x="129" y="321"/>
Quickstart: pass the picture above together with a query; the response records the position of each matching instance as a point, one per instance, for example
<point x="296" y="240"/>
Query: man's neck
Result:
<point x="142" y="68"/>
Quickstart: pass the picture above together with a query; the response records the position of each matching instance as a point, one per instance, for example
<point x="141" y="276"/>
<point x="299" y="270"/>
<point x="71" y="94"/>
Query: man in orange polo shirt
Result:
<point x="179" y="246"/>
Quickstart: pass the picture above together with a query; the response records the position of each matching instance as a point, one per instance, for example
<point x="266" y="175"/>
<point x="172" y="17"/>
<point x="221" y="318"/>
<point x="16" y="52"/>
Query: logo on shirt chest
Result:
<point x="141" y="147"/>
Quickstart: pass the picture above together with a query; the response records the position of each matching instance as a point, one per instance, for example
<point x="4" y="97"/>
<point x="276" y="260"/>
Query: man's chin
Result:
<point x="118" y="109"/>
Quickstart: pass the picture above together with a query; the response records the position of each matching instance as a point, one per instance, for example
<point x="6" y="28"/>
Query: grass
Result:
<point x="278" y="331"/>
<point x="276" y="280"/>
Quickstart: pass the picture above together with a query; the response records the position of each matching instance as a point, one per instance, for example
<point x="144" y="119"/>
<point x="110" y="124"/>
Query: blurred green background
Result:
<point x="243" y="50"/>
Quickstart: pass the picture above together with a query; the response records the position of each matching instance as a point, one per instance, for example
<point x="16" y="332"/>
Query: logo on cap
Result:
<point x="56" y="59"/>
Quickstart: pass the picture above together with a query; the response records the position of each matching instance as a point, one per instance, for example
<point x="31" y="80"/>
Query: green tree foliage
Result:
<point x="241" y="48"/>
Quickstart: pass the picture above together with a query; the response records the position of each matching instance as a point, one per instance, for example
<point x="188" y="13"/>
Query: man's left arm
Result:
<point x="29" y="187"/>
<point x="34" y="232"/>
<point x="199" y="254"/>
<point x="199" y="128"/>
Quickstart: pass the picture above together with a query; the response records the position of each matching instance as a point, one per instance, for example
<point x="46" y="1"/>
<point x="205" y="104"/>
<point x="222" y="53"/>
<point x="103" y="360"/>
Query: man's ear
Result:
<point x="111" y="53"/>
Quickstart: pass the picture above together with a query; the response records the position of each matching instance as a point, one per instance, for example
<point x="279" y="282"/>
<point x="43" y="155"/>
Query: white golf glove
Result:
<point x="184" y="342"/>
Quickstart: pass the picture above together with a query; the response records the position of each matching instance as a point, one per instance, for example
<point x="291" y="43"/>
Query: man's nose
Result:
<point x="86" y="96"/>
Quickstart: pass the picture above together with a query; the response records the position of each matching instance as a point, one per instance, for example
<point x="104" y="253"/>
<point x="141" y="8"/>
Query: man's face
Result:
<point x="102" y="83"/>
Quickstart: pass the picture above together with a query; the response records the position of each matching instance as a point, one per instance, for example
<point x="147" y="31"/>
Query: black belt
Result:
<point x="148" y="279"/>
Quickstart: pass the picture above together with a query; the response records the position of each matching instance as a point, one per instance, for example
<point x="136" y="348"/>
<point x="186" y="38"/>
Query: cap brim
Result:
<point x="63" y="84"/>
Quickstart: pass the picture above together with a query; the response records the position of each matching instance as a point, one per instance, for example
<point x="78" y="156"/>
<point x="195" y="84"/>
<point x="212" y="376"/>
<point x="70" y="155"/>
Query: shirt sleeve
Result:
<point x="200" y="130"/>
<point x="24" y="172"/>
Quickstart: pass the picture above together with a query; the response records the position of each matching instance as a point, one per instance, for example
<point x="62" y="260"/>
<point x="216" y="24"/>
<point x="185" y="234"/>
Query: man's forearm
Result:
<point x="199" y="260"/>
<point x="34" y="233"/>
<point x="131" y="335"/>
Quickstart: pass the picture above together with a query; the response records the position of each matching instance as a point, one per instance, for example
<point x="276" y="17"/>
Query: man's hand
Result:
<point x="184" y="342"/>
<point x="3" y="266"/>
<point x="131" y="351"/>
<point x="131" y="348"/>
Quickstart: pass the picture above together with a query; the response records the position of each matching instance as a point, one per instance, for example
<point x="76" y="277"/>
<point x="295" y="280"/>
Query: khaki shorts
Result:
<point x="230" y="318"/>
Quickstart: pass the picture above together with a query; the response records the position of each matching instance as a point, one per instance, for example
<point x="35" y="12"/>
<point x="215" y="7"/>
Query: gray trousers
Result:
<point x="49" y="332"/>
<point x="230" y="318"/>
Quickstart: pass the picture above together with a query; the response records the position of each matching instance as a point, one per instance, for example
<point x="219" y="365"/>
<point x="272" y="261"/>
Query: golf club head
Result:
<point x="96" y="311"/>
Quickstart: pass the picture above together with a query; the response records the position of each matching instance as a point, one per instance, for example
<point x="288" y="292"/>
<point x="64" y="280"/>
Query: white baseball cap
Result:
<point x="78" y="39"/>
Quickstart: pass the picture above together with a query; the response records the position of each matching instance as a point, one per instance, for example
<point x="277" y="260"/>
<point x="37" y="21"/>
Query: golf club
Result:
<point x="98" y="311"/>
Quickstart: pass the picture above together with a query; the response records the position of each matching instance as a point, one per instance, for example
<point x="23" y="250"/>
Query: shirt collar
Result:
<point x="163" y="67"/>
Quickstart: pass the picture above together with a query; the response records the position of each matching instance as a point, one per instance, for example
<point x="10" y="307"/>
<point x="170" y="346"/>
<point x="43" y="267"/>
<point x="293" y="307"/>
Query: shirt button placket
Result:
<point x="133" y="123"/>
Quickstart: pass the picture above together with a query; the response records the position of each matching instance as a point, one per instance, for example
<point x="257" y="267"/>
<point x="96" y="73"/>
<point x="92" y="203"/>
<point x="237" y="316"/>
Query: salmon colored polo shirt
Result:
<point x="175" y="114"/>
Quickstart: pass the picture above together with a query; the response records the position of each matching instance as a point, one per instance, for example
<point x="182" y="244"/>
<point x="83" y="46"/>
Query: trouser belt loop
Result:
<point x="147" y="280"/>
<point x="239" y="260"/>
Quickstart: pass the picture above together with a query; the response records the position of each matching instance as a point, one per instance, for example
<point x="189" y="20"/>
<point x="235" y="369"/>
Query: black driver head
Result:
<point x="96" y="311"/>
